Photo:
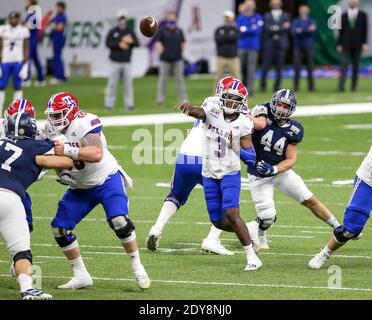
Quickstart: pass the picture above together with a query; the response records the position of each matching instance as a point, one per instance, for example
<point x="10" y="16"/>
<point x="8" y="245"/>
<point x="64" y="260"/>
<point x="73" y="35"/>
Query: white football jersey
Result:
<point x="13" y="42"/>
<point x="192" y="145"/>
<point x="89" y="175"/>
<point x="365" y="170"/>
<point x="221" y="140"/>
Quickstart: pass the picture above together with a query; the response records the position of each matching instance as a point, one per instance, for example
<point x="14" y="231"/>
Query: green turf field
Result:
<point x="328" y="153"/>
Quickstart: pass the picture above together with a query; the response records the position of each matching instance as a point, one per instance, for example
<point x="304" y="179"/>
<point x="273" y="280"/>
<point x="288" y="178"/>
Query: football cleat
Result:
<point x="77" y="283"/>
<point x="215" y="246"/>
<point x="253" y="234"/>
<point x="253" y="264"/>
<point x="143" y="280"/>
<point x="263" y="243"/>
<point x="35" y="294"/>
<point x="12" y="270"/>
<point x="153" y="238"/>
<point x="319" y="260"/>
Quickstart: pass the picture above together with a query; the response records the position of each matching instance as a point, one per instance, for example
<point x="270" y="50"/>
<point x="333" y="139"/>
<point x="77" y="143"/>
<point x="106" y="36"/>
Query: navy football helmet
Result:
<point x="287" y="97"/>
<point x="21" y="126"/>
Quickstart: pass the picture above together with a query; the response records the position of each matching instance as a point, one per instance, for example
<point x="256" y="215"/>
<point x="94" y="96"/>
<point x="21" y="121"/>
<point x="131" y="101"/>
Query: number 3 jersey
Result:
<point x="88" y="175"/>
<point x="221" y="140"/>
<point x="271" y="142"/>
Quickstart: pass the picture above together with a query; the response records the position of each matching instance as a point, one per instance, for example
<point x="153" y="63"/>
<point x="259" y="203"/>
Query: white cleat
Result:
<point x="77" y="283"/>
<point x="253" y="264"/>
<point x="319" y="260"/>
<point x="35" y="294"/>
<point x="253" y="234"/>
<point x="143" y="280"/>
<point x="153" y="238"/>
<point x="264" y="244"/>
<point x="215" y="246"/>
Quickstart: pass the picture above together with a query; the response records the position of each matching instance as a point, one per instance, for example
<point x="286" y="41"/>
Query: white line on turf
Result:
<point x="213" y="283"/>
<point x="360" y="126"/>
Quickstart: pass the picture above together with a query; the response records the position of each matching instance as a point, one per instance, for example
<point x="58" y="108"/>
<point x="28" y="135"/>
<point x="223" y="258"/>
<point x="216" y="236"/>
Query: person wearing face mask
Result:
<point x="303" y="29"/>
<point x="275" y="42"/>
<point x="170" y="42"/>
<point x="352" y="42"/>
<point x="120" y="40"/>
<point x="250" y="25"/>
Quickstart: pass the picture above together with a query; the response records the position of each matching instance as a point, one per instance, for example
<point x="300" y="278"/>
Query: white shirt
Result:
<point x="365" y="170"/>
<point x="221" y="140"/>
<point x="89" y="175"/>
<point x="192" y="145"/>
<point x="352" y="14"/>
<point x="13" y="38"/>
<point x="277" y="14"/>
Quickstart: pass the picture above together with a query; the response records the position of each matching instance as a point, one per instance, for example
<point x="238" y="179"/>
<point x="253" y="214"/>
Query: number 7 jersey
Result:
<point x="272" y="141"/>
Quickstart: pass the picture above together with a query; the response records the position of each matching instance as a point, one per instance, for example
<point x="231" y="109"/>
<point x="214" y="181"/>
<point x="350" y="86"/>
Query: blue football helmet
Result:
<point x="21" y="126"/>
<point x="287" y="97"/>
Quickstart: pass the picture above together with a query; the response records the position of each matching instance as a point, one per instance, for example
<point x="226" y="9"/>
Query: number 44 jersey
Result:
<point x="271" y="142"/>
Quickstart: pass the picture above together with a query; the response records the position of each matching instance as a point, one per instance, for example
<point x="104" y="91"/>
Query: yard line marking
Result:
<point x="333" y="153"/>
<point x="276" y="236"/>
<point x="214" y="283"/>
<point x="170" y="118"/>
<point x="343" y="182"/>
<point x="360" y="126"/>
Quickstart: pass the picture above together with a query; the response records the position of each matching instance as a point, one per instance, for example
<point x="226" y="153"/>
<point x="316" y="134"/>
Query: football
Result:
<point x="149" y="26"/>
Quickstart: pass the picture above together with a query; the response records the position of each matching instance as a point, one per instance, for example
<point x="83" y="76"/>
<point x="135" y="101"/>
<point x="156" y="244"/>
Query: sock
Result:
<point x="2" y="101"/>
<point x="135" y="260"/>
<point x="78" y="267"/>
<point x="167" y="211"/>
<point x="332" y="221"/>
<point x="327" y="251"/>
<point x="18" y="94"/>
<point x="214" y="233"/>
<point x="249" y="251"/>
<point x="25" y="282"/>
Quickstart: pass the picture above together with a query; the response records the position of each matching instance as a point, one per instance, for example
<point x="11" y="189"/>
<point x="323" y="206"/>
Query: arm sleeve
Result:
<point x="286" y="18"/>
<point x="43" y="147"/>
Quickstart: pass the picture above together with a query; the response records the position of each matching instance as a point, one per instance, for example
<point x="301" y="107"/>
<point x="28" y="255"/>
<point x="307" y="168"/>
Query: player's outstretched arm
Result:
<point x="54" y="162"/>
<point x="188" y="109"/>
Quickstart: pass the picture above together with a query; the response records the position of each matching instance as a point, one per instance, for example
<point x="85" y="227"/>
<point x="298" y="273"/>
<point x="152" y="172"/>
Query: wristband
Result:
<point x="275" y="170"/>
<point x="71" y="152"/>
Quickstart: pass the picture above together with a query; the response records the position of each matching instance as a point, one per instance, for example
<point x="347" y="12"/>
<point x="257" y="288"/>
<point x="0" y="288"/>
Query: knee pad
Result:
<point x="124" y="228"/>
<point x="342" y="235"/>
<point x="65" y="238"/>
<point x="265" y="224"/>
<point x="173" y="198"/>
<point x="27" y="255"/>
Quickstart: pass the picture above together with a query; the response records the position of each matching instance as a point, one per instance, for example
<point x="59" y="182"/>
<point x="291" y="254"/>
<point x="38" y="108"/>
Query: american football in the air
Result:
<point x="149" y="26"/>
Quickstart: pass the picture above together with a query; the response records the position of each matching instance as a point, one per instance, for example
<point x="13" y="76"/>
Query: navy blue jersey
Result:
<point x="18" y="169"/>
<point x="271" y="142"/>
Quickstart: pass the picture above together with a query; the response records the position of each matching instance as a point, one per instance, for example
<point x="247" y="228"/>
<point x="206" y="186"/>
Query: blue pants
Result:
<point x="221" y="195"/>
<point x="10" y="69"/>
<point x="27" y="203"/>
<point x="34" y="56"/>
<point x="357" y="212"/>
<point x="77" y="203"/>
<point x="187" y="174"/>
<point x="59" y="70"/>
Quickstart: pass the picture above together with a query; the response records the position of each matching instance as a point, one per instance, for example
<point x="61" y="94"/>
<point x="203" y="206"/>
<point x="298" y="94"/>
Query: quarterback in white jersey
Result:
<point x="14" y="56"/>
<point x="98" y="180"/>
<point x="226" y="139"/>
<point x="356" y="214"/>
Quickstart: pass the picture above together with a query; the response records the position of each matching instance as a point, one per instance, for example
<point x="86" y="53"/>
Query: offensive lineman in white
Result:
<point x="356" y="214"/>
<point x="98" y="179"/>
<point x="226" y="136"/>
<point x="14" y="53"/>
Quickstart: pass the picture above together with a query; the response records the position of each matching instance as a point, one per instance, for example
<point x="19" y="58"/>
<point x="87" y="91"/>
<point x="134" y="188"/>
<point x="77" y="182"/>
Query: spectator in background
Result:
<point x="227" y="37"/>
<point x="352" y="41"/>
<point x="58" y="36"/>
<point x="250" y="25"/>
<point x="120" y="40"/>
<point x="275" y="42"/>
<point x="303" y="29"/>
<point x="34" y="42"/>
<point x="170" y="42"/>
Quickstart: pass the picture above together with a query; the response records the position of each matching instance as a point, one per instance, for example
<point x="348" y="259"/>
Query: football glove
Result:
<point x="266" y="169"/>
<point x="66" y="179"/>
<point x="23" y="74"/>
